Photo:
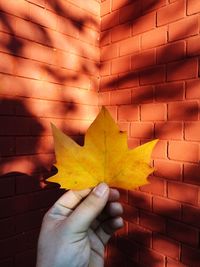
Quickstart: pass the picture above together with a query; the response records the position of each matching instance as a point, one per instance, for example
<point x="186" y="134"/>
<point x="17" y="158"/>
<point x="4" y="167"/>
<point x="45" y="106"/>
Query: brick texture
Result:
<point x="49" y="73"/>
<point x="60" y="61"/>
<point x="152" y="60"/>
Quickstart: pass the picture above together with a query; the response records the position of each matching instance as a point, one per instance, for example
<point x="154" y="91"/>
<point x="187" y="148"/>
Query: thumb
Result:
<point x="82" y="217"/>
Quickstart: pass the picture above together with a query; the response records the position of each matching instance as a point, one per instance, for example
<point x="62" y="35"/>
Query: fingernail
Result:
<point x="100" y="189"/>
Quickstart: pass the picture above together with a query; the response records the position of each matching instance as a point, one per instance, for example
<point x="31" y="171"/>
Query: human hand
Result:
<point x="76" y="229"/>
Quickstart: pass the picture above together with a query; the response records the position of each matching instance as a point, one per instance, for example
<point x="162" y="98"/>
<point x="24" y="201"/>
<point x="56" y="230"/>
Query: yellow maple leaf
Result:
<point x="105" y="157"/>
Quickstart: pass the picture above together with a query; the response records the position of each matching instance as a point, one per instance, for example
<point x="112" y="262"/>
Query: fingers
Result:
<point x="82" y="217"/>
<point x="113" y="195"/>
<point x="106" y="229"/>
<point x="112" y="209"/>
<point x="67" y="202"/>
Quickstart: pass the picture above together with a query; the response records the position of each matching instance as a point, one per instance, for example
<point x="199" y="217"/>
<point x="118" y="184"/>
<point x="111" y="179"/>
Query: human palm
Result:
<point x="76" y="229"/>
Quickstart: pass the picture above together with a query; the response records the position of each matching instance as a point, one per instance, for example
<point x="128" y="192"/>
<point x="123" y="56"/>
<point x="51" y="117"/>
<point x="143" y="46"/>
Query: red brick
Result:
<point x="152" y="4"/>
<point x="116" y="4"/>
<point x="38" y="2"/>
<point x="183" y="192"/>
<point x="121" y="64"/>
<point x="27" y="258"/>
<point x="123" y="195"/>
<point x="129" y="248"/>
<point x="192" y="7"/>
<point x="6" y="205"/>
<point x="143" y="59"/>
<point x="108" y="82"/>
<point x="113" y="111"/>
<point x="17" y="125"/>
<point x="7" y="145"/>
<point x="171" y="13"/>
<point x="123" y="232"/>
<point x="105" y="68"/>
<point x="182" y="70"/>
<point x="130" y="214"/>
<point x="193" y="47"/>
<point x="26" y="241"/>
<point x="65" y="26"/>
<point x="32" y="145"/>
<point x="171" y="52"/>
<point x="144" y="23"/>
<point x="142" y="130"/>
<point x="109" y="52"/>
<point x="130" y="12"/>
<point x="190" y="256"/>
<point x="159" y="38"/>
<point x="143" y="94"/>
<point x="10" y="63"/>
<point x="151" y="112"/>
<point x="7" y="186"/>
<point x="140" y="200"/>
<point x="7" y="227"/>
<point x="104" y="98"/>
<point x="129" y="46"/>
<point x="20" y="9"/>
<point x="120" y="97"/>
<point x="185" y="111"/>
<point x="183" y="28"/>
<point x="105" y="7"/>
<point x="192" y="89"/>
<point x="42" y="16"/>
<point x="127" y="80"/>
<point x="173" y="263"/>
<point x="139" y="234"/>
<point x="160" y="151"/>
<point x="7" y="247"/>
<point x="7" y="262"/>
<point x="156" y="186"/>
<point x="191" y="215"/>
<point x="124" y="126"/>
<point x="128" y="113"/>
<point x="121" y="32"/>
<point x="169" y="92"/>
<point x="28" y="221"/>
<point x="151" y="258"/>
<point x="152" y="221"/>
<point x="166" y="246"/>
<point x="133" y="143"/>
<point x="153" y="75"/>
<point x="183" y="233"/>
<point x="192" y="130"/>
<point x="167" y="207"/>
<point x="29" y="69"/>
<point x="192" y="173"/>
<point x="168" y="169"/>
<point x="184" y="151"/>
<point x="110" y="20"/>
<point x="26" y="184"/>
<point x="105" y="38"/>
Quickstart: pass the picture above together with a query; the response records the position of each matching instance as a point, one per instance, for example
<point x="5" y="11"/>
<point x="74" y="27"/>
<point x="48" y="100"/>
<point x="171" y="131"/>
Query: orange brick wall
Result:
<point x="49" y="72"/>
<point x="150" y="82"/>
<point x="148" y="65"/>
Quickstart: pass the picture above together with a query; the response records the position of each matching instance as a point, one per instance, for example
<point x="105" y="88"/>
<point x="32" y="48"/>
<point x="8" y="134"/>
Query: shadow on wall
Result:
<point x="161" y="220"/>
<point x="42" y="72"/>
<point x="23" y="198"/>
<point x="164" y="231"/>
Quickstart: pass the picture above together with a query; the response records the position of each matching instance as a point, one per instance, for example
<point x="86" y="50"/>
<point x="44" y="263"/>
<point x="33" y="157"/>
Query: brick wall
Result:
<point x="149" y="80"/>
<point x="150" y="83"/>
<point x="49" y="60"/>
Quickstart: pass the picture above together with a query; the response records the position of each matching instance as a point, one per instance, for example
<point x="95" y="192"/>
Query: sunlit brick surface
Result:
<point x="151" y="80"/>
<point x="60" y="60"/>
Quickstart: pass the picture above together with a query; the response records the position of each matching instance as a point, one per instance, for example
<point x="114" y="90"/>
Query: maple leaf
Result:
<point x="105" y="157"/>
